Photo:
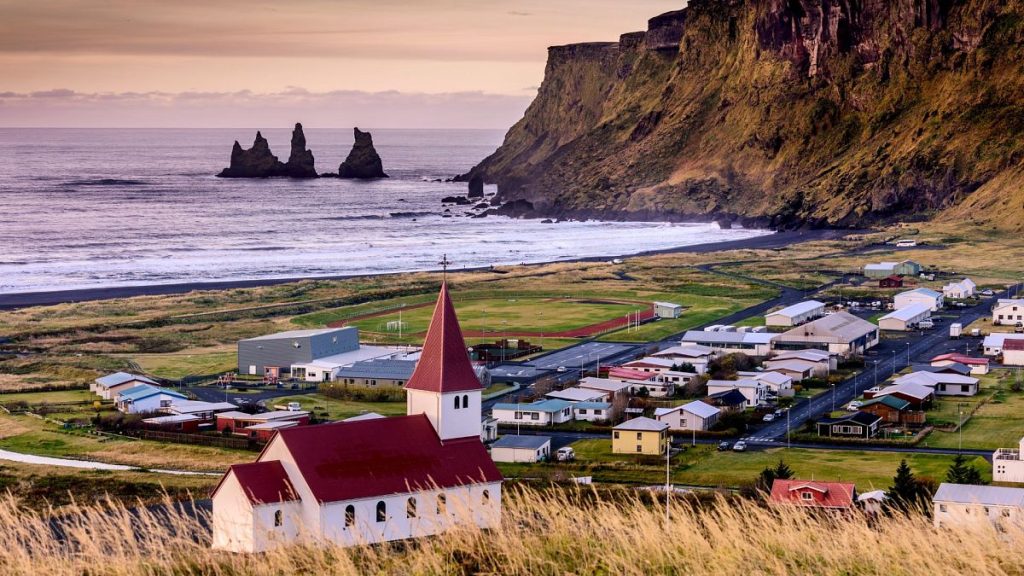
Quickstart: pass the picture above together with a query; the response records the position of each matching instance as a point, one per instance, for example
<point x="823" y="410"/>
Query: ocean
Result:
<point x="91" y="208"/>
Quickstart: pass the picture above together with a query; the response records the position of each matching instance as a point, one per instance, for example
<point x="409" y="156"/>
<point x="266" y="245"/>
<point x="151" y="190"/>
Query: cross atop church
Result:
<point x="445" y="263"/>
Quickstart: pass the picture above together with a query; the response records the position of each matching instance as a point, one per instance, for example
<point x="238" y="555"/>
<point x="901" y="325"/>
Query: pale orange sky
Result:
<point x="99" y="48"/>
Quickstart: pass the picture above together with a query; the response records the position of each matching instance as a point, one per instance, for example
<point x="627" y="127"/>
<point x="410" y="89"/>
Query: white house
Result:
<point x="796" y="314"/>
<point x="591" y="411"/>
<point x="824" y="362"/>
<point x="1007" y="464"/>
<point x="777" y="382"/>
<point x="577" y="394"/>
<point x="926" y="296"/>
<point x="107" y="387"/>
<point x="755" y="391"/>
<point x="942" y="383"/>
<point x="993" y="343"/>
<point x="610" y="388"/>
<point x="840" y="333"/>
<point x="906" y="318"/>
<point x="695" y="415"/>
<point x="651" y="364"/>
<point x="960" y="290"/>
<point x="1008" y="311"/>
<point x="144" y="399"/>
<point x="667" y="310"/>
<point x="796" y="369"/>
<point x="539" y="413"/>
<point x="749" y="343"/>
<point x="676" y="378"/>
<point x="373" y="480"/>
<point x="1013" y="353"/>
<point x="978" y="366"/>
<point x="963" y="505"/>
<point x="511" y="448"/>
<point x="696" y="356"/>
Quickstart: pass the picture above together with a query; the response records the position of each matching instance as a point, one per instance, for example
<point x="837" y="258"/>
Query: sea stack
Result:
<point x="300" y="162"/>
<point x="476" y="187"/>
<point x="363" y="161"/>
<point x="256" y="162"/>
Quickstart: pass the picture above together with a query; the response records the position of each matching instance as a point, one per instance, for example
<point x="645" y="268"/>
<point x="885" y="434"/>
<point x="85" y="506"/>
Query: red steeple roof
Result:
<point x="444" y="364"/>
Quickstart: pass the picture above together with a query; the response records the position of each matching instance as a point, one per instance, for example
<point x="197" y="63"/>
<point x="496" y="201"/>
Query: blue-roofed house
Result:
<point x="540" y="413"/>
<point x="107" y="387"/>
<point x="147" y="398"/>
<point x="377" y="372"/>
<point x="591" y="411"/>
<point x="521" y="448"/>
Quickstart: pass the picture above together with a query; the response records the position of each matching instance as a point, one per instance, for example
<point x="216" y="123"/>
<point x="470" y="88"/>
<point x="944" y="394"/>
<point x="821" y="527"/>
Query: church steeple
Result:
<point x="444" y="385"/>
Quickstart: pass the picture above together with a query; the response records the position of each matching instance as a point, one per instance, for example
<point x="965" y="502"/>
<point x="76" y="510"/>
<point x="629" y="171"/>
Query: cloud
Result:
<point x="245" y="108"/>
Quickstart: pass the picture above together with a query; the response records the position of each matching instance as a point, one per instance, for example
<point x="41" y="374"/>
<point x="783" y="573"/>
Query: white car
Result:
<point x="740" y="446"/>
<point x="769" y="417"/>
<point x="853" y="406"/>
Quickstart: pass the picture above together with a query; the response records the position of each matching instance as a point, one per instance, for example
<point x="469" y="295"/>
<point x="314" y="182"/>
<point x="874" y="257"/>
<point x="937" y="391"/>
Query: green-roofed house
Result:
<point x="893" y="410"/>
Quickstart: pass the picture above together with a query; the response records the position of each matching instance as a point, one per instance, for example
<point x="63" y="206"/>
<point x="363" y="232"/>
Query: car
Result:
<point x="723" y="446"/>
<point x="853" y="406"/>
<point x="740" y="446"/>
<point x="768" y="417"/>
<point x="294" y="406"/>
<point x="565" y="454"/>
<point x="987" y="293"/>
<point x="560" y="369"/>
<point x="779" y="412"/>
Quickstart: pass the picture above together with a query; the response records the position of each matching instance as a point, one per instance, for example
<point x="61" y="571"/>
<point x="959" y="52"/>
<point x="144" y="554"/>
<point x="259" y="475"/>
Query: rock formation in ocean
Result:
<point x="788" y="113"/>
<point x="300" y="163"/>
<point x="363" y="161"/>
<point x="476" y="187"/>
<point x="256" y="162"/>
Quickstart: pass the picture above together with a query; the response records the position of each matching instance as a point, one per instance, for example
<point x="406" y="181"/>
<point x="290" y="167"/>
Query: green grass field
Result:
<point x="705" y="466"/>
<point x="997" y="424"/>
<point x="36" y="398"/>
<point x="340" y="409"/>
<point x="176" y="365"/>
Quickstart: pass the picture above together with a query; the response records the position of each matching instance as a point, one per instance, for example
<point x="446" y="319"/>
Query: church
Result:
<point x="373" y="480"/>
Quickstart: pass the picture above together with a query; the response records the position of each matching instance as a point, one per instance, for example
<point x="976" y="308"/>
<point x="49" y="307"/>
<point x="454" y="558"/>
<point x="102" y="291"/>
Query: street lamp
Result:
<point x="833" y="396"/>
<point x="789" y="440"/>
<point x="908" y="353"/>
<point x="960" y="409"/>
<point x="668" y="455"/>
<point x="875" y="362"/>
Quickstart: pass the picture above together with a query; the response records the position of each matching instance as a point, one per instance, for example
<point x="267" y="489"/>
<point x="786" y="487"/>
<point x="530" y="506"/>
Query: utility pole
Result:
<point x="789" y="440"/>
<point x="668" y="455"/>
<point x="960" y="409"/>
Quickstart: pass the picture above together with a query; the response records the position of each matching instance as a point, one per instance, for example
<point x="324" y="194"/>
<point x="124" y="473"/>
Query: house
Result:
<point x="825" y="362"/>
<point x="651" y="364"/>
<point x="262" y="426"/>
<point x="374" y="480"/>
<point x="145" y="398"/>
<point x="951" y="368"/>
<point x="675" y="378"/>
<point x="892" y="410"/>
<point x="1013" y="353"/>
<point x="835" y="496"/>
<point x="920" y="397"/>
<point x="796" y="370"/>
<point x="776" y="382"/>
<point x="638" y="380"/>
<point x="1007" y="464"/>
<point x="749" y="343"/>
<point x="667" y="310"/>
<point x="872" y="503"/>
<point x="885" y="269"/>
<point x="1008" y="311"/>
<point x="107" y="387"/>
<point x="906" y="318"/>
<point x="993" y="343"/>
<point x="729" y="401"/>
<point x="853" y="425"/>
<point x="960" y="290"/>
<point x="591" y="411"/>
<point x="205" y="411"/>
<point x="695" y="415"/>
<point x="840" y="333"/>
<point x="521" y="449"/>
<point x="174" y="422"/>
<point x="755" y="391"/>
<point x="610" y="388"/>
<point x="577" y="394"/>
<point x="383" y="372"/>
<point x="944" y="384"/>
<point x="539" y="413"/>
<point x="926" y="296"/>
<point x="488" y="429"/>
<point x="623" y="374"/>
<point x="696" y="356"/>
<point x="640" y="436"/>
<point x="796" y="314"/>
<point x="962" y="504"/>
<point x="891" y="282"/>
<point x="979" y="366"/>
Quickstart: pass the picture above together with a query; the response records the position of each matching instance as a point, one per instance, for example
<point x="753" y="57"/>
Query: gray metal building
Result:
<point x="293" y="347"/>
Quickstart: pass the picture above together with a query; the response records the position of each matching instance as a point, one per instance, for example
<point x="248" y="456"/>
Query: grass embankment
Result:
<point x="554" y="532"/>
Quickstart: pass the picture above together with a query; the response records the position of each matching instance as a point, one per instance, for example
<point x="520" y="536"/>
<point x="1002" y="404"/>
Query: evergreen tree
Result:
<point x="783" y="471"/>
<point x="960" y="472"/>
<point x="904" y="493"/>
<point x="764" y="481"/>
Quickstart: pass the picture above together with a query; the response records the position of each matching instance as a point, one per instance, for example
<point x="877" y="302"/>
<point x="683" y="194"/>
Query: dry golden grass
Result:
<point x="572" y="532"/>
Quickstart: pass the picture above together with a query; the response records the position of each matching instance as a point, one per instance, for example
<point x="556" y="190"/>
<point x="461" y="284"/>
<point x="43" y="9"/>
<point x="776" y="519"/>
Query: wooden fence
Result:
<point x="198" y="439"/>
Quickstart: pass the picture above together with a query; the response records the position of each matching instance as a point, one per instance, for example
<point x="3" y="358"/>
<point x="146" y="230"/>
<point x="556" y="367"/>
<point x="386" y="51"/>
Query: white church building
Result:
<point x="375" y="480"/>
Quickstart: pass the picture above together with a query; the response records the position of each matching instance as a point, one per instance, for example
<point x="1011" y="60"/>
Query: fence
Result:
<point x="197" y="439"/>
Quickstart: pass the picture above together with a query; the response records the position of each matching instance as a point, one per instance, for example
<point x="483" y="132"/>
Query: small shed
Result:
<point x="521" y="449"/>
<point x="892" y="281"/>
<point x="668" y="310"/>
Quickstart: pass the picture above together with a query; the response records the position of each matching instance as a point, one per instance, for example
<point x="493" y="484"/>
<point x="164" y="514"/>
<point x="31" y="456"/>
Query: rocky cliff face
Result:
<point x="785" y="112"/>
<point x="260" y="162"/>
<point x="363" y="161"/>
<point x="300" y="163"/>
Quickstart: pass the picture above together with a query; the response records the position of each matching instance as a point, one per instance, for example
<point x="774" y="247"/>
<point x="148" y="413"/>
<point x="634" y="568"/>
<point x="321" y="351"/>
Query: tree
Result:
<point x="783" y="471"/>
<point x="684" y="367"/>
<point x="769" y="475"/>
<point x="960" y="472"/>
<point x="907" y="492"/>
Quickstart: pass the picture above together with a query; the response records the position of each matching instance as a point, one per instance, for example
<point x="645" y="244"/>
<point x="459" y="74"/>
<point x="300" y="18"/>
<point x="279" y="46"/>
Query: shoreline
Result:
<point x="47" y="298"/>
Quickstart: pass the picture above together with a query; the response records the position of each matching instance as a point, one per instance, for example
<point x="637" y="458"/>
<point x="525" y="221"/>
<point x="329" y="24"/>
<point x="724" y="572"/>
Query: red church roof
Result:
<point x="262" y="482"/>
<point x="444" y="364"/>
<point x="823" y="494"/>
<point x="382" y="456"/>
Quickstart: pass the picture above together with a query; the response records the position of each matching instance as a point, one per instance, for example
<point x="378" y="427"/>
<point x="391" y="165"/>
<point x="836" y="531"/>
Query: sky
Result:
<point x="328" y="63"/>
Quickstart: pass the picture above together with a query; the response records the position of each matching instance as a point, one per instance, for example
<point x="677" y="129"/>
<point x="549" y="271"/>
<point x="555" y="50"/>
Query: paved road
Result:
<point x="890" y="356"/>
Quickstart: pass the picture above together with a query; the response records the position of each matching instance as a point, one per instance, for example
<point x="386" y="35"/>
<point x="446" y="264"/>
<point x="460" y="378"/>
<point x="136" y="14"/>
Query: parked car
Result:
<point x="294" y="406"/>
<point x="987" y="293"/>
<point x="723" y="446"/>
<point x="560" y="369"/>
<point x="740" y="446"/>
<point x="770" y="417"/>
<point x="565" y="454"/>
<point x="853" y="406"/>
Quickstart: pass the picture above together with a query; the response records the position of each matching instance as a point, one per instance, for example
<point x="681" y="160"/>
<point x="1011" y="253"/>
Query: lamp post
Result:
<point x="875" y="362"/>
<point x="894" y="362"/>
<point x="833" y="397"/>
<point x="908" y="353"/>
<point x="668" y="455"/>
<point x="789" y="440"/>
<point x="960" y="410"/>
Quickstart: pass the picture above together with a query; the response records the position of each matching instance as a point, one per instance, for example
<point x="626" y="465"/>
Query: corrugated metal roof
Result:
<point x="539" y="406"/>
<point x="799" y="308"/>
<point x="698" y="336"/>
<point x="531" y="442"/>
<point x="642" y="424"/>
<point x="924" y="291"/>
<point x="984" y="495"/>
<point x="300" y="333"/>
<point x="842" y="325"/>
<point x="385" y="369"/>
<point x="700" y="409"/>
<point x="575" y="394"/>
<point x="120" y="378"/>
<point x="908" y="313"/>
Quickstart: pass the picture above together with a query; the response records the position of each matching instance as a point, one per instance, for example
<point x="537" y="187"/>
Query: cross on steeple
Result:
<point x="444" y="266"/>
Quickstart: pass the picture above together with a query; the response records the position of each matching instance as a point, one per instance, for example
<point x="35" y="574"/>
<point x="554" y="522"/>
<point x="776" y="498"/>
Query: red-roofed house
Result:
<point x="1013" y="353"/>
<point x="372" y="480"/>
<point x="978" y="366"/>
<point x="823" y="495"/>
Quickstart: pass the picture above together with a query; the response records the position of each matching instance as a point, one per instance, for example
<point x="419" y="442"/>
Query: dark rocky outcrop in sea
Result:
<point x="476" y="187"/>
<point x="363" y="161"/>
<point x="260" y="162"/>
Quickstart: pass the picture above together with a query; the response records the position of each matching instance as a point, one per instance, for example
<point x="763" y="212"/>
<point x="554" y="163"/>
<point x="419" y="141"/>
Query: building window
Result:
<point x="465" y="401"/>
<point x="382" y="511"/>
<point x="535" y="416"/>
<point x="410" y="508"/>
<point x="616" y="433"/>
<point x="942" y="507"/>
<point x="350" y="516"/>
<point x="519" y="416"/>
<point x="639" y="448"/>
<point x="639" y="435"/>
<point x="806" y="496"/>
<point x="278" y="518"/>
<point x="583" y="411"/>
<point x="442" y="504"/>
<point x="486" y="496"/>
<point x="457" y="403"/>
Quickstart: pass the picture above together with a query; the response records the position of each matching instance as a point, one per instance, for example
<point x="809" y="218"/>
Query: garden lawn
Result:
<point x="997" y="424"/>
<point x="194" y="362"/>
<point x="341" y="409"/>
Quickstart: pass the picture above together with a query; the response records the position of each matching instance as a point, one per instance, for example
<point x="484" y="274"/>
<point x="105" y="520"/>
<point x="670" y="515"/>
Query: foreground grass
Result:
<point x="551" y="532"/>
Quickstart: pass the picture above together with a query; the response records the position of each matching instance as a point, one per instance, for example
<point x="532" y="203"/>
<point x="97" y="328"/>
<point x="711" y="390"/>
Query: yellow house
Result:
<point x="640" y="436"/>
